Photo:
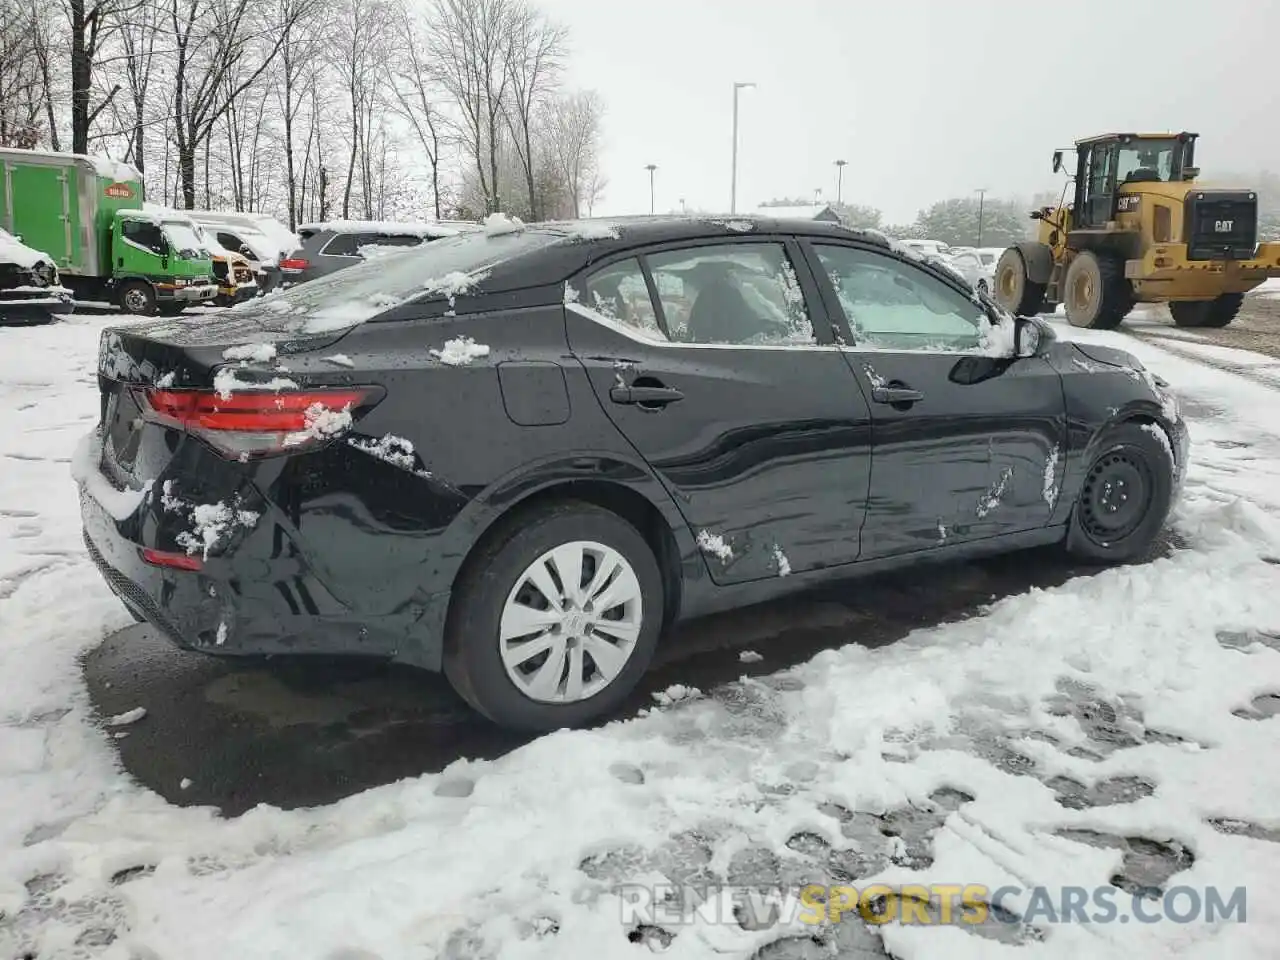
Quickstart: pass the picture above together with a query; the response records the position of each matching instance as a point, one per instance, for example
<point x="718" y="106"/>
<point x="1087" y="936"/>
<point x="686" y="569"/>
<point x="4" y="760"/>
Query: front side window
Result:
<point x="896" y="305"/>
<point x="735" y="293"/>
<point x="1146" y="160"/>
<point x="143" y="233"/>
<point x="619" y="294"/>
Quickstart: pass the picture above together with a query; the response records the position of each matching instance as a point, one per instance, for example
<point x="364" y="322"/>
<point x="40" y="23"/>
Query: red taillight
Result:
<point x="297" y="264"/>
<point x="255" y="423"/>
<point x="178" y="561"/>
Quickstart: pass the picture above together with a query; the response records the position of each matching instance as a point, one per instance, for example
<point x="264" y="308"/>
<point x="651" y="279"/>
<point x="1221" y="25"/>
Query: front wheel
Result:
<point x="137" y="298"/>
<point x="555" y="619"/>
<point x="1097" y="294"/>
<point x="1015" y="291"/>
<point x="1126" y="495"/>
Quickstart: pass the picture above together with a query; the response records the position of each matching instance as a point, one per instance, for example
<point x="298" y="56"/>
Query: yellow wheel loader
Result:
<point x="1139" y="229"/>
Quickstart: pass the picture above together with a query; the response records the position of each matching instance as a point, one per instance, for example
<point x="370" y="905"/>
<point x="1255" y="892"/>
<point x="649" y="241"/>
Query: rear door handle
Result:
<point x="654" y="396"/>
<point x="895" y="393"/>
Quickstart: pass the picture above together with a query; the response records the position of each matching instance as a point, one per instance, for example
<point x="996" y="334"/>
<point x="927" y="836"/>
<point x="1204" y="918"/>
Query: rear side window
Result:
<point x="342" y="245"/>
<point x="733" y="293"/>
<point x="619" y="293"/>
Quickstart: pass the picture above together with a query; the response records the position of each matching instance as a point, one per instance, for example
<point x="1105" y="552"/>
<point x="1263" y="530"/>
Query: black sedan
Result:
<point x="519" y="455"/>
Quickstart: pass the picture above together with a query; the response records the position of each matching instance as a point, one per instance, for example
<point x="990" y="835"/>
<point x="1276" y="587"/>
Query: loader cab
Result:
<point x="1106" y="164"/>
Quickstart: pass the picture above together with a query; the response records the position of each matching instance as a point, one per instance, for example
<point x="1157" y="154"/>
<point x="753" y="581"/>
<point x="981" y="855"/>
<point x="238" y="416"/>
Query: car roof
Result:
<point x="426" y="228"/>
<point x="575" y="245"/>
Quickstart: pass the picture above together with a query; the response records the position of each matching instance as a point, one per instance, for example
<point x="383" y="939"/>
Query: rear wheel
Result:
<point x="1126" y="495"/>
<point x="1095" y="292"/>
<point x="137" y="298"/>
<point x="555" y="619"/>
<point x="1015" y="291"/>
<point x="1207" y="313"/>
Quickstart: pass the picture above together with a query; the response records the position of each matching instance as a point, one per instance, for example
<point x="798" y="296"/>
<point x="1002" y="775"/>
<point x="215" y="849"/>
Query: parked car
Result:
<point x="927" y="247"/>
<point x="30" y="289"/>
<point x="519" y="456"/>
<point x="336" y="245"/>
<point x="969" y="264"/>
<point x="258" y="237"/>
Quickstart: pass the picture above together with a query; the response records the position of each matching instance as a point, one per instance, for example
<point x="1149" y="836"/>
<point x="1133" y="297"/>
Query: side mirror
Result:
<point x="1190" y="173"/>
<point x="1057" y="161"/>
<point x="1037" y="214"/>
<point x="1032" y="337"/>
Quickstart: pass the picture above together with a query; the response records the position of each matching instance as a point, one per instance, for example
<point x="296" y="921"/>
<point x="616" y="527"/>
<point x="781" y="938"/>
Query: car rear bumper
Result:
<point x="251" y="602"/>
<point x="29" y="308"/>
<point x="1164" y="272"/>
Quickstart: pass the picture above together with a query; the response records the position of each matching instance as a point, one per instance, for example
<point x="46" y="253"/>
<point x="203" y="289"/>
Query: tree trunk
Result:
<point x="81" y="78"/>
<point x="351" y="163"/>
<point x="290" y="176"/>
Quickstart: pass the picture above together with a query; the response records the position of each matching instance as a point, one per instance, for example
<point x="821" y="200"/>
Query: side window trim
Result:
<point x="820" y="316"/>
<point x="831" y="300"/>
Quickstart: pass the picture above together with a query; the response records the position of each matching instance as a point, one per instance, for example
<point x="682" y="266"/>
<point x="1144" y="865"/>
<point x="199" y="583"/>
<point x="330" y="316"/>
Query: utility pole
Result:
<point x="982" y="196"/>
<point x="840" y="181"/>
<point x="651" y="167"/>
<point x="733" y="183"/>
<point x="817" y="196"/>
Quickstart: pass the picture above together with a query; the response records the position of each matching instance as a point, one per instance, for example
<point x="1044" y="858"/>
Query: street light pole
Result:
<point x="651" y="167"/>
<point x="982" y="195"/>
<point x="733" y="184"/>
<point x="840" y="181"/>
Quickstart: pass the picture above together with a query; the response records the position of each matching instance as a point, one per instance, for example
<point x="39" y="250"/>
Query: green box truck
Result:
<point x="87" y="214"/>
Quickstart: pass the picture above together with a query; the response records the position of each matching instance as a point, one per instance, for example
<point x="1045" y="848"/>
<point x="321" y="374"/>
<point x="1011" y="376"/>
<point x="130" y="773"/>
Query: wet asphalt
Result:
<point x="298" y="732"/>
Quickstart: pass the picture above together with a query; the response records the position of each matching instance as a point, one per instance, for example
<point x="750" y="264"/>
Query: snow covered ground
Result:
<point x="1133" y="707"/>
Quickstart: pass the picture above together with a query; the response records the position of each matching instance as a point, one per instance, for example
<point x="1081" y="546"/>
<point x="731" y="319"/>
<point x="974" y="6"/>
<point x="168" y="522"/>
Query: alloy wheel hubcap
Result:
<point x="571" y="623"/>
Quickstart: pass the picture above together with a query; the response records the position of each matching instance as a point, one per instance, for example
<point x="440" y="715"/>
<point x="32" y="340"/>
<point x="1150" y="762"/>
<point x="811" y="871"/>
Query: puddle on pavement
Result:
<point x="1243" y="828"/>
<point x="1262" y="707"/>
<point x="1245" y="640"/>
<point x="1147" y="864"/>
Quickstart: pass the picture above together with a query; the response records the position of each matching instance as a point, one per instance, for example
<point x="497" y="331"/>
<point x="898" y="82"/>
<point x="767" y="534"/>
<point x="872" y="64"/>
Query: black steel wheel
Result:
<point x="1125" y="494"/>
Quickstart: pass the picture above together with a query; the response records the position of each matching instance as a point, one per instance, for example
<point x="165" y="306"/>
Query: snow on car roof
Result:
<point x="102" y="166"/>
<point x="13" y="250"/>
<point x="425" y="228"/>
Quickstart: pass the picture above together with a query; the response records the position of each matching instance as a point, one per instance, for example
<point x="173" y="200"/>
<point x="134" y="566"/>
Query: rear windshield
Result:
<point x="357" y="293"/>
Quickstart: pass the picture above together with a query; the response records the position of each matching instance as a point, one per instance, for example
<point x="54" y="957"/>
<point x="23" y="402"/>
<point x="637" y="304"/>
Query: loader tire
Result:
<point x="1096" y="294"/>
<point x="1014" y="290"/>
<point x="1217" y="312"/>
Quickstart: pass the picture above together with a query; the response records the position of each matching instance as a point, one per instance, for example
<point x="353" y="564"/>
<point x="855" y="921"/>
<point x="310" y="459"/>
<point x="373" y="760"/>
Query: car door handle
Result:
<point x="895" y="393"/>
<point x="654" y="396"/>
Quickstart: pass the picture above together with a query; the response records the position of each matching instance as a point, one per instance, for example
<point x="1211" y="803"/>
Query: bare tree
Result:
<point x="137" y="30"/>
<point x="571" y="132"/>
<point x="214" y="40"/>
<point x="47" y="48"/>
<point x="91" y="23"/>
<point x="359" y="49"/>
<point x="300" y="38"/>
<point x="415" y="89"/>
<point x="471" y="45"/>
<point x="536" y="57"/>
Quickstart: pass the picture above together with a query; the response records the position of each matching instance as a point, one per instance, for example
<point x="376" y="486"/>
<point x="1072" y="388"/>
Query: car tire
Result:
<point x="1207" y="313"/>
<point x="1096" y="292"/>
<point x="1125" y="496"/>
<point x="495" y="596"/>
<point x="137" y="298"/>
<point x="1014" y="290"/>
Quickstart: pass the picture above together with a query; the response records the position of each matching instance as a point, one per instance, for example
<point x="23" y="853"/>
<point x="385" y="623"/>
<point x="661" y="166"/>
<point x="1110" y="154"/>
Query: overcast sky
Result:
<point x="925" y="99"/>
